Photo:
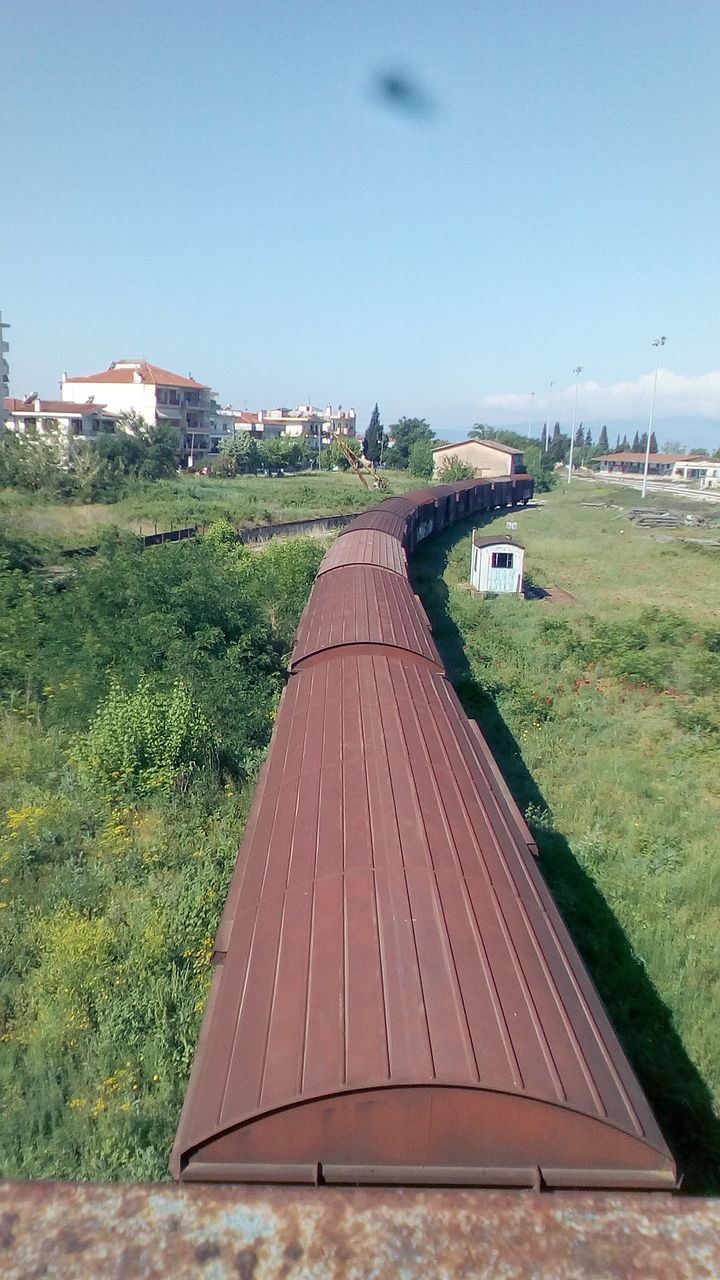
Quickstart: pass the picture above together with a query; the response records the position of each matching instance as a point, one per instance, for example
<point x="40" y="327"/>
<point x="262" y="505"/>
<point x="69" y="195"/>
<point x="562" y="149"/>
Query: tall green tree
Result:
<point x="635" y="448"/>
<point x="653" y="443"/>
<point x="420" y="459"/>
<point x="403" y="435"/>
<point x="372" y="440"/>
<point x="602" y="443"/>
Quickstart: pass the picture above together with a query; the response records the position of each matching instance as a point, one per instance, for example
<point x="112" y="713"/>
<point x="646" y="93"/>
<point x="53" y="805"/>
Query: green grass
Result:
<point x="190" y="500"/>
<point x="605" y="717"/>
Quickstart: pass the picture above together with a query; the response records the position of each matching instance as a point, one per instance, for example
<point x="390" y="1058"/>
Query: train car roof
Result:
<point x="368" y="606"/>
<point x="397" y="998"/>
<point x="368" y="547"/>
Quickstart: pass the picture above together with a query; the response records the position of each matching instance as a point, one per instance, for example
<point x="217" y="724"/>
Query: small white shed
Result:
<point x="497" y="563"/>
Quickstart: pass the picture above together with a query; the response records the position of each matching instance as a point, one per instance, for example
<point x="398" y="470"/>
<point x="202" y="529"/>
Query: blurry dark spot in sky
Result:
<point x="400" y="91"/>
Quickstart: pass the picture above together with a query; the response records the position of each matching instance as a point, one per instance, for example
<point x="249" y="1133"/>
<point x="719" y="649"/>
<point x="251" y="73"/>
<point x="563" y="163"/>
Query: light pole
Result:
<point x="530" y="411"/>
<point x="547" y="424"/>
<point x="577" y="373"/>
<point x="657" y="342"/>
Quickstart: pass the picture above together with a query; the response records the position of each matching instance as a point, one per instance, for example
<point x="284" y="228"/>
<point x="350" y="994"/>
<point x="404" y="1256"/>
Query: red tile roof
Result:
<point x="150" y="374"/>
<point x="640" y="457"/>
<point x="59" y="407"/>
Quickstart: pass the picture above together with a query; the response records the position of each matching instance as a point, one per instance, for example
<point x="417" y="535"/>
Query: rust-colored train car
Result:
<point x="396" y="998"/>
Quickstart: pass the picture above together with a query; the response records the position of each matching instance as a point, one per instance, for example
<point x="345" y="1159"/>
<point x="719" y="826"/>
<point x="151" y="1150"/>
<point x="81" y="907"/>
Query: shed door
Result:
<point x="502" y="573"/>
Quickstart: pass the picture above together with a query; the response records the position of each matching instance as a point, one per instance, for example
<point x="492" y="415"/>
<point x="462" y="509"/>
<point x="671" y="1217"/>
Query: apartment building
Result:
<point x="157" y="395"/>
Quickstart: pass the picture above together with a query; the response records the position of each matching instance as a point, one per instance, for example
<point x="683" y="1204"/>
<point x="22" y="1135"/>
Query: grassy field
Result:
<point x="190" y="500"/>
<point x="605" y="717"/>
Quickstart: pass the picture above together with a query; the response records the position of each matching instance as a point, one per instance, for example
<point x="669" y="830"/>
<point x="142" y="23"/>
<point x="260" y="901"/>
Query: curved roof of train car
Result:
<point x="399" y="999"/>
<point x="363" y="605"/>
<point x="367" y="547"/>
<point x="390" y="521"/>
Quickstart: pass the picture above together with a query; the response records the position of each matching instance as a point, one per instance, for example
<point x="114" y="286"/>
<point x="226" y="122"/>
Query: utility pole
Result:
<point x="657" y="342"/>
<point x="577" y="371"/>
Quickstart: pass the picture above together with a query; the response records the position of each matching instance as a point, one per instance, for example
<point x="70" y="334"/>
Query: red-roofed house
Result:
<point x="157" y="395"/>
<point x="59" y="419"/>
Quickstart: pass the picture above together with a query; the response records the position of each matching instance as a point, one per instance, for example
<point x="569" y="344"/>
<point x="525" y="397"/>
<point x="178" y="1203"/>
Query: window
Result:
<point x="502" y="560"/>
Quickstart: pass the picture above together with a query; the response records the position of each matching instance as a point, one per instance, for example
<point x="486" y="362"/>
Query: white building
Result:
<point x="496" y="564"/>
<point x="158" y="396"/>
<point x="59" y="420"/>
<point x="694" y="468"/>
<point x="311" y="422"/>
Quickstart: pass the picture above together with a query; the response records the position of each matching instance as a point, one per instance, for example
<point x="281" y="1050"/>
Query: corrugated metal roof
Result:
<point x="365" y="546"/>
<point x="365" y="605"/>
<point x="385" y="520"/>
<point x="391" y="946"/>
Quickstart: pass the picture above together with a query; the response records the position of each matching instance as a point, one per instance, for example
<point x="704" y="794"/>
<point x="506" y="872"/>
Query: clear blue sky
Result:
<point x="223" y="189"/>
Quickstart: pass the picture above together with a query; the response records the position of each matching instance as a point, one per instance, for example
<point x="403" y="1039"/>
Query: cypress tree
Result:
<point x="556" y="432"/>
<point x="635" y="448"/>
<point x="643" y="442"/>
<point x="588" y="439"/>
<point x="372" y="440"/>
<point x="579" y="437"/>
<point x="653" y="443"/>
<point x="603" y="445"/>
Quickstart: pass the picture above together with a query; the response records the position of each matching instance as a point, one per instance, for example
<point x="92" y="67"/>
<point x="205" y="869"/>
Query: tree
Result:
<point x="653" y="443"/>
<point x="674" y="446"/>
<point x="372" y="440"/>
<point x="420" y="459"/>
<point x="556" y="432"/>
<point x="481" y="431"/>
<point x="588" y="439"/>
<point x="579" y="437"/>
<point x="642" y="442"/>
<point x="602" y="443"/>
<point x="635" y="448"/>
<point x="244" y="452"/>
<point x="403" y="434"/>
<point x="336" y="457"/>
<point x="455" y="469"/>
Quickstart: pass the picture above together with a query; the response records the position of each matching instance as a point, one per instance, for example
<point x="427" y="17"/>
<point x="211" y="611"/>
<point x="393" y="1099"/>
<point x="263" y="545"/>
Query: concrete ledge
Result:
<point x="120" y="1231"/>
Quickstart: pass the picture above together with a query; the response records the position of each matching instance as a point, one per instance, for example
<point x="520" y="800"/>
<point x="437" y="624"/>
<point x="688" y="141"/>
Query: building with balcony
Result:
<point x="157" y="395"/>
<point x="59" y="420"/>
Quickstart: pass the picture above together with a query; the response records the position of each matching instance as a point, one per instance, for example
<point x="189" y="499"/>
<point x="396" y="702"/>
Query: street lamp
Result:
<point x="547" y="424"/>
<point x="657" y="342"/>
<point x="577" y="371"/>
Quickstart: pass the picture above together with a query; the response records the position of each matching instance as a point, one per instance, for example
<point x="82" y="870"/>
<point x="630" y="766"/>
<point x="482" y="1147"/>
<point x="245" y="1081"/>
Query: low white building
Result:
<point x="59" y="420"/>
<point x="497" y="564"/>
<point x="696" y="468"/>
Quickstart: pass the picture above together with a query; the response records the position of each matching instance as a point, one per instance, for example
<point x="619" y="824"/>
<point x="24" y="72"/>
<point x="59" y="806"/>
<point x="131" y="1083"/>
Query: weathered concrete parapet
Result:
<point x="83" y="1231"/>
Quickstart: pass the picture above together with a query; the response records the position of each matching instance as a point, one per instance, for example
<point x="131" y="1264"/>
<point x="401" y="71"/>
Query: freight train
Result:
<point x="396" y="999"/>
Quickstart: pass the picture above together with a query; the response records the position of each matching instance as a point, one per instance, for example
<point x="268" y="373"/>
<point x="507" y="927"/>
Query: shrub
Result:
<point x="146" y="740"/>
